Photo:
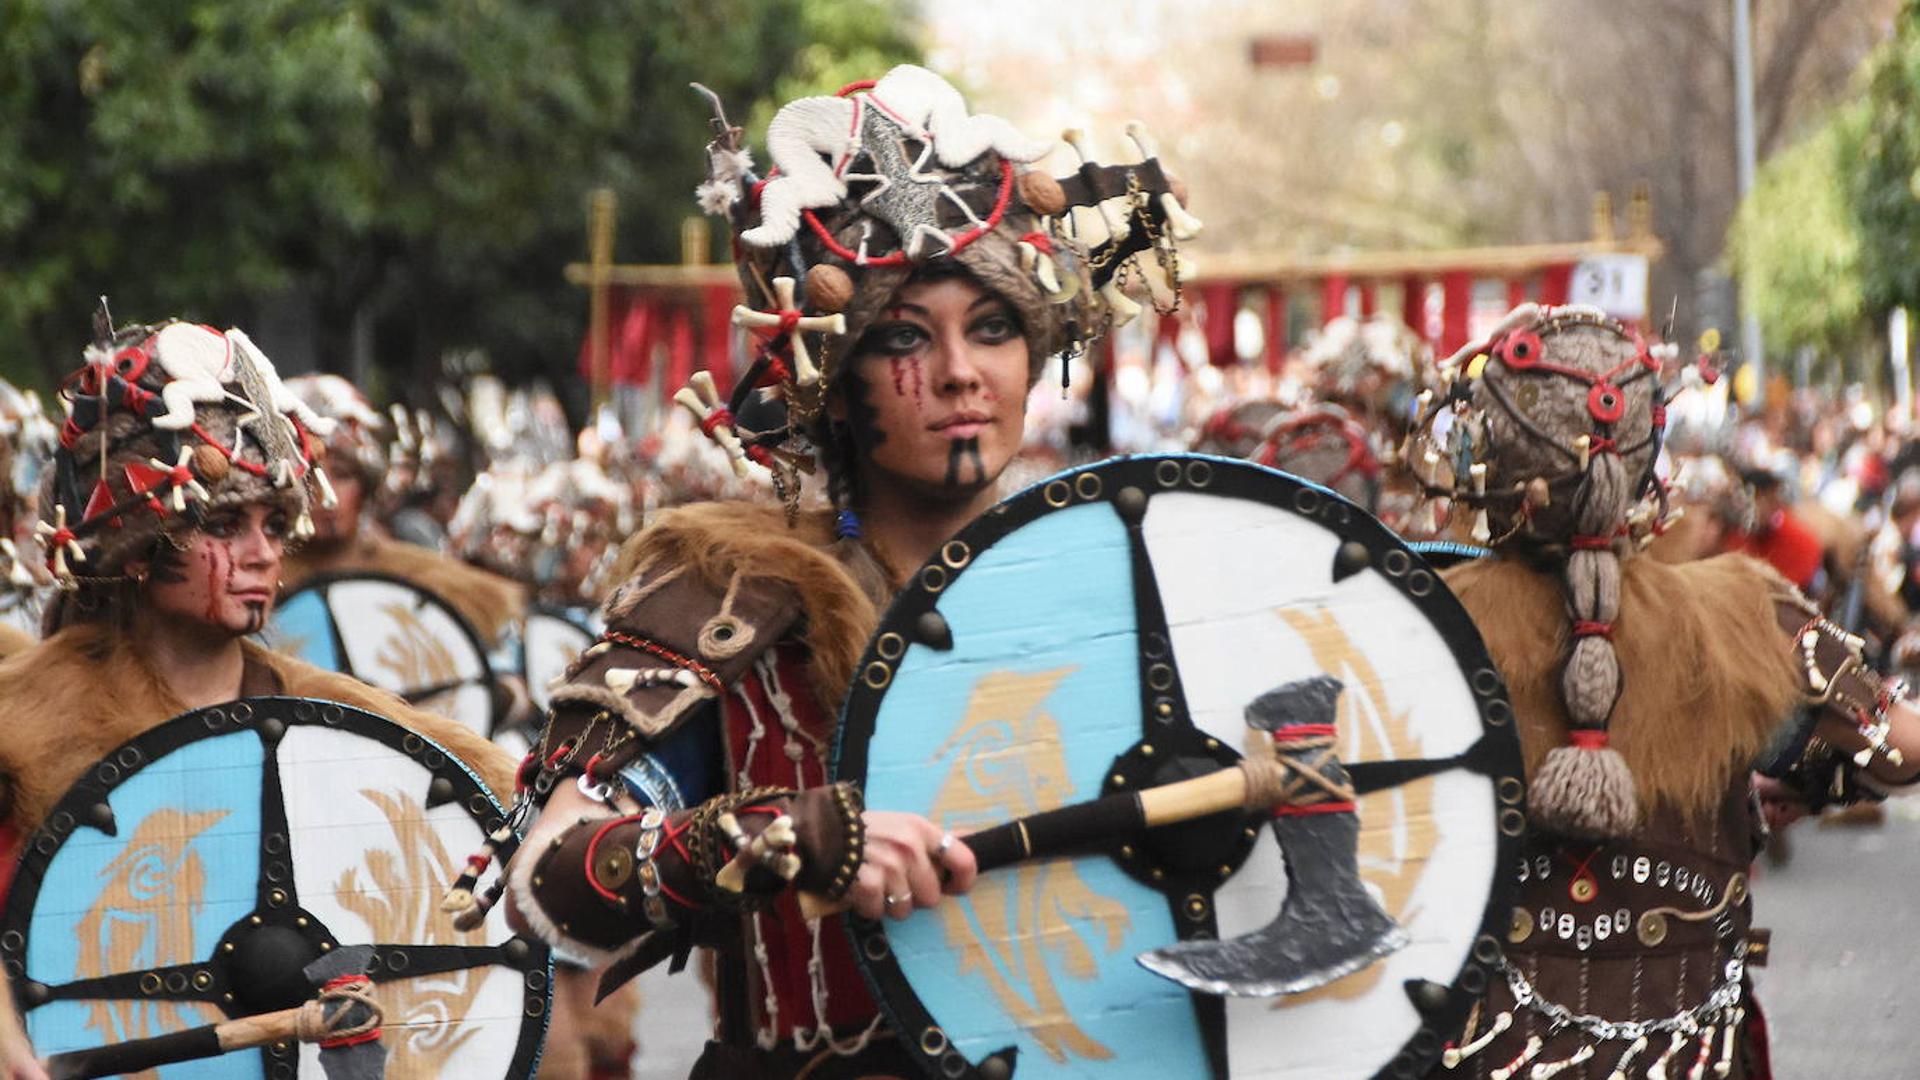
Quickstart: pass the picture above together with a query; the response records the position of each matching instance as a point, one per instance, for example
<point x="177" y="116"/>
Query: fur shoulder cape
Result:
<point x="76" y="696"/>
<point x="714" y="540"/>
<point x="486" y="600"/>
<point x="1707" y="674"/>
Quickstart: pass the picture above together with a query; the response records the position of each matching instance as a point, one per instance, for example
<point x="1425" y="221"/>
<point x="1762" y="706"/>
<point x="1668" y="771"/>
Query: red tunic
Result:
<point x="779" y="736"/>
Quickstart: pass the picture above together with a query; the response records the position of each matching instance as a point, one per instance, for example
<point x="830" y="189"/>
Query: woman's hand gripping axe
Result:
<point x="1328" y="926"/>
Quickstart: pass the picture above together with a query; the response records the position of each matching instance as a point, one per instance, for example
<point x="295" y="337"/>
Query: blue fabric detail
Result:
<point x="846" y="525"/>
<point x="686" y="769"/>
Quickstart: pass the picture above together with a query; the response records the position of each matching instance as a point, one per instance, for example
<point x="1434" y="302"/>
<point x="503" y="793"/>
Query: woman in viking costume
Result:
<point x="346" y="538"/>
<point x="1645" y="693"/>
<point x="183" y="470"/>
<point x="908" y="274"/>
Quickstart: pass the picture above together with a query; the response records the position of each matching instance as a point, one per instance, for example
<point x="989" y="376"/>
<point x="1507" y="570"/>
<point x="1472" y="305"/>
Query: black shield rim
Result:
<point x="87" y="805"/>
<point x="1443" y="1008"/>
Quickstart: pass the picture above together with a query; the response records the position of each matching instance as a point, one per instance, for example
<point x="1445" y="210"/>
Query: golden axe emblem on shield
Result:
<point x="1006" y="761"/>
<point x="151" y="891"/>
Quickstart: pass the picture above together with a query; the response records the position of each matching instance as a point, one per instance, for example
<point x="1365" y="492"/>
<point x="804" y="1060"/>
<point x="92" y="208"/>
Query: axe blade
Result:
<point x="1329" y="925"/>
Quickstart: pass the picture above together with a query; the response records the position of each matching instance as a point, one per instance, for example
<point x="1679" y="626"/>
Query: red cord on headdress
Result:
<point x="1588" y="738"/>
<point x="899" y="258"/>
<point x="855" y="87"/>
<point x="1592" y="543"/>
<point x="1592" y="628"/>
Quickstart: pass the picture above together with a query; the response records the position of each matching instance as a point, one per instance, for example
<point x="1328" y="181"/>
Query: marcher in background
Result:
<point x="1644" y="692"/>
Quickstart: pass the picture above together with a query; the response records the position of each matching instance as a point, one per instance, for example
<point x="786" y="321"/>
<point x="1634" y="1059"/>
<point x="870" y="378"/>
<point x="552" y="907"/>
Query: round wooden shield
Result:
<point x="550" y="641"/>
<point x="1105" y="631"/>
<point x="394" y="635"/>
<point x="190" y="875"/>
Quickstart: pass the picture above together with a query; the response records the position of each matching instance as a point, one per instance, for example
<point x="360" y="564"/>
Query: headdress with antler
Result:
<point x="163" y="424"/>
<point x="1548" y="433"/>
<point x="870" y="185"/>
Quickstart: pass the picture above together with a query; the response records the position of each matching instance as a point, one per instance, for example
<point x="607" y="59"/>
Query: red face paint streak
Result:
<point x="894" y="365"/>
<point x="217" y="577"/>
<point x="917" y="381"/>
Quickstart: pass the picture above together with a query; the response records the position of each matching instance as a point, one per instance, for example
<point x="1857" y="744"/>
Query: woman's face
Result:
<point x="937" y="399"/>
<point x="227" y="576"/>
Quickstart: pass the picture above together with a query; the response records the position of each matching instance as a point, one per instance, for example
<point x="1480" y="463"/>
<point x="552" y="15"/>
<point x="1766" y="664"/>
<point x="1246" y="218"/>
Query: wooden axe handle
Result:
<point x="1070" y="828"/>
<point x="138" y="1055"/>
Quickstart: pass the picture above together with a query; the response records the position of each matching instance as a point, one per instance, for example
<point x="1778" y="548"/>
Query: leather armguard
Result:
<point x="599" y="885"/>
<point x="1836" y="684"/>
<point x="672" y="643"/>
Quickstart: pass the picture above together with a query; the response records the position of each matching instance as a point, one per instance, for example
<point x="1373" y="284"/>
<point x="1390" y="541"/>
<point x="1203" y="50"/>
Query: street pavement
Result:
<point x="1844" y="910"/>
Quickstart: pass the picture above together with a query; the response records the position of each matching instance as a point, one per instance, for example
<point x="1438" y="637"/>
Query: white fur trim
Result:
<point x="930" y="102"/>
<point x="924" y="104"/>
<point x="801" y="132"/>
<point x="520" y="895"/>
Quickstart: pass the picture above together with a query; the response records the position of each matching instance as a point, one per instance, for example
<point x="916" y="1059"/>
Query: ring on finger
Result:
<point x="893" y="900"/>
<point x="945" y="845"/>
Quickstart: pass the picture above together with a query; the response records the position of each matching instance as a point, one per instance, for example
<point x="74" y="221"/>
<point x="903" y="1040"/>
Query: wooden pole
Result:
<point x="601" y="208"/>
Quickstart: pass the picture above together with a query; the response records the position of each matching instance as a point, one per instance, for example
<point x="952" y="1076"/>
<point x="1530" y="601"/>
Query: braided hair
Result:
<point x="1571" y="416"/>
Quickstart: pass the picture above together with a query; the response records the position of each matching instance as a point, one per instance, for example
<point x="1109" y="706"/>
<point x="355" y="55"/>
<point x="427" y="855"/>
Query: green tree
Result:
<point x="1886" y="188"/>
<point x="1795" y="243"/>
<point x="411" y="173"/>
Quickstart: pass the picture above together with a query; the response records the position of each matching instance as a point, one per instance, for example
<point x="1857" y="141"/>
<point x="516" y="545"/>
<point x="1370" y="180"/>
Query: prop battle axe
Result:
<point x="343" y="1018"/>
<point x="1329" y="925"/>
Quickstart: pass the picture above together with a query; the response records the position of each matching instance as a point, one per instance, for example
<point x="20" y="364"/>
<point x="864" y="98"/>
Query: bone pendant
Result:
<point x="1454" y="1055"/>
<point x="1040" y="266"/>
<point x="804" y="371"/>
<point x="1121" y="305"/>
<point x="1118" y="227"/>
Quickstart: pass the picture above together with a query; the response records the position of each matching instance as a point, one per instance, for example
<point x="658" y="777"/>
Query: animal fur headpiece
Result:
<point x="357" y="441"/>
<point x="872" y="185"/>
<point x="1552" y="426"/>
<point x="165" y="423"/>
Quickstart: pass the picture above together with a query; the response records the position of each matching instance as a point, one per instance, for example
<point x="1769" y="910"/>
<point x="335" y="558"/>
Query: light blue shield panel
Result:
<point x="1024" y="714"/>
<point x="181" y="868"/>
<point x="302" y="626"/>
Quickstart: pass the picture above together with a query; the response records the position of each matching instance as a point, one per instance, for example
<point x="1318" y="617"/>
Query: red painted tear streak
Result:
<point x="219" y="577"/>
<point x="917" y="379"/>
<point x="895" y="366"/>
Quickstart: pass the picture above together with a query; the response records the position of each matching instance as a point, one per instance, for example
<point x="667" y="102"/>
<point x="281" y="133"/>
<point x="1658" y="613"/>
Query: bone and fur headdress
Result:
<point x="164" y="423"/>
<point x="1551" y="429"/>
<point x="870" y="186"/>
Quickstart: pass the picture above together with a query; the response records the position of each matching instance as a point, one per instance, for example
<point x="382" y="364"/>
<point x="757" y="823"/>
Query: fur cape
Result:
<point x="1707" y="673"/>
<point x="81" y="693"/>
<point x="486" y="600"/>
<point x="15" y="640"/>
<point x="712" y="540"/>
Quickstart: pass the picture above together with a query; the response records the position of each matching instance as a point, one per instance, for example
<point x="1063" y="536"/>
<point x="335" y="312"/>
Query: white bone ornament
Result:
<point x="1121" y="305"/>
<point x="811" y="140"/>
<point x="1118" y="228"/>
<point x="1040" y="265"/>
<point x="804" y="371"/>
<point x="63" y="551"/>
<point x="1183" y="225"/>
<point x="180" y="491"/>
<point x="17" y="572"/>
<point x="702" y="398"/>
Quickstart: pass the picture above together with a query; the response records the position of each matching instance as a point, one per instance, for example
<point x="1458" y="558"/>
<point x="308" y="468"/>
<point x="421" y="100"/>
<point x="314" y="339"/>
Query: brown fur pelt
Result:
<point x="486" y="600"/>
<point x="1709" y="675"/>
<point x="714" y="540"/>
<point x="84" y="691"/>
<point x="15" y="640"/>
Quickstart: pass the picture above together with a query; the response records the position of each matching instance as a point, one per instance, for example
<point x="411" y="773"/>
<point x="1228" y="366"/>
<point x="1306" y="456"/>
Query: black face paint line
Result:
<point x="961" y="450"/>
<point x="256" y="616"/>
